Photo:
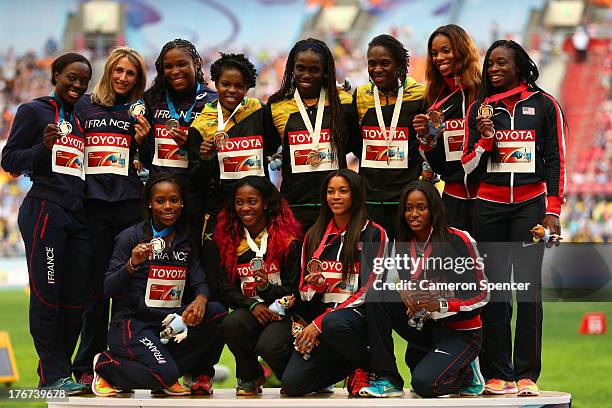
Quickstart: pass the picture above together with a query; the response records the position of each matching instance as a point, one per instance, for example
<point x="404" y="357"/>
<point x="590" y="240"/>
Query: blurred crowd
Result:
<point x="24" y="77"/>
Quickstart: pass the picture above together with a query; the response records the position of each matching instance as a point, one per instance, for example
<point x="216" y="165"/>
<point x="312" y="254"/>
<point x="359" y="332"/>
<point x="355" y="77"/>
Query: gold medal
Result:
<point x="158" y="245"/>
<point x="314" y="158"/>
<point x="436" y="118"/>
<point x="314" y="266"/>
<point x="137" y="109"/>
<point x="172" y="124"/>
<point x="65" y="127"/>
<point x="485" y="110"/>
<point x="256" y="264"/>
<point x="220" y="139"/>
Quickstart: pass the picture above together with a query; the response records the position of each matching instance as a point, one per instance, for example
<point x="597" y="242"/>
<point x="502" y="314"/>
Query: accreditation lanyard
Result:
<point x="315" y="133"/>
<point x="174" y="114"/>
<point x="415" y="255"/>
<point x="437" y="104"/>
<point x="163" y="233"/>
<point x="497" y="97"/>
<point x="60" y="113"/>
<point x="221" y="124"/>
<point x="396" y="112"/>
<point x="260" y="251"/>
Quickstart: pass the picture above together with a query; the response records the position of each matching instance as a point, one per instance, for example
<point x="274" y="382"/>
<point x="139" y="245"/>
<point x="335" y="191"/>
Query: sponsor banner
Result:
<point x="300" y="146"/>
<point x="240" y="157"/>
<point x="165" y="285"/>
<point x="67" y="156"/>
<point x="376" y="153"/>
<point x="107" y="154"/>
<point x="167" y="152"/>
<point x="454" y="135"/>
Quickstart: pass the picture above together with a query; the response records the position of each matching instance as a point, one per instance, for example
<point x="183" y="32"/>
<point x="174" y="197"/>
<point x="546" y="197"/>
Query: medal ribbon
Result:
<point x="426" y="252"/>
<point x="60" y="114"/>
<point x="494" y="98"/>
<point x="322" y="244"/>
<point x="437" y="104"/>
<point x="260" y="251"/>
<point x="163" y="233"/>
<point x="396" y="112"/>
<point x="222" y="124"/>
<point x="172" y="109"/>
<point x="315" y="133"/>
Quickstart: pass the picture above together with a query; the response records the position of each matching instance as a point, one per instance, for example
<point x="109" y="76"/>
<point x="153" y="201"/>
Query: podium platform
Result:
<point x="271" y="398"/>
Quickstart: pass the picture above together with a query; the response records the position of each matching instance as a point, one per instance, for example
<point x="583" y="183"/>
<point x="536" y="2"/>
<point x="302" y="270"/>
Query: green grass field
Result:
<point x="581" y="365"/>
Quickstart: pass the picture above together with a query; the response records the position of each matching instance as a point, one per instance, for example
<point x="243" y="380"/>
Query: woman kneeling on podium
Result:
<point x="442" y="327"/>
<point x="154" y="264"/>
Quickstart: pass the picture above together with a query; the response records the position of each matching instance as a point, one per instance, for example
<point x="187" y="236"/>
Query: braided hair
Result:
<point x="398" y="51"/>
<point x="160" y="85"/>
<point x="234" y="61"/>
<point x="337" y="130"/>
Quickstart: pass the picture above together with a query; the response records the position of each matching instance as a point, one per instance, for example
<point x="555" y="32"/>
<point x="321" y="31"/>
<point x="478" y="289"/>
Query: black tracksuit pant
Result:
<point x="105" y="220"/>
<point x="459" y="213"/>
<point x="502" y="232"/>
<point x="439" y="358"/>
<point x="58" y="253"/>
<point x="137" y="358"/>
<point x="247" y="339"/>
<point x="343" y="348"/>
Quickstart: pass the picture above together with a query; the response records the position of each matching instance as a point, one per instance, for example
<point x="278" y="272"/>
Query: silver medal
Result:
<point x="65" y="127"/>
<point x="158" y="245"/>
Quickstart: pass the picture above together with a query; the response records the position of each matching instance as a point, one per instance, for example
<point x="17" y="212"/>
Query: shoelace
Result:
<point x="358" y="380"/>
<point x="86" y="378"/>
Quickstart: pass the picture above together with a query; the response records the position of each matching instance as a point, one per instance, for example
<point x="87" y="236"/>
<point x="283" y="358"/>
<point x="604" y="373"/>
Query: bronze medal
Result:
<point x="436" y="118"/>
<point x="172" y="124"/>
<point x="158" y="245"/>
<point x="220" y="139"/>
<point x="485" y="110"/>
<point x="137" y="109"/>
<point x="314" y="158"/>
<point x="314" y="266"/>
<point x="65" y="127"/>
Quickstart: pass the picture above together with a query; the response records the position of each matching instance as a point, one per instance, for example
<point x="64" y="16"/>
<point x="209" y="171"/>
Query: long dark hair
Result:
<point x="436" y="212"/>
<point x="145" y="198"/>
<point x="350" y="251"/>
<point x="398" y="51"/>
<point x="282" y="226"/>
<point x="160" y="85"/>
<point x="465" y="66"/>
<point x="526" y="70"/>
<point x="337" y="130"/>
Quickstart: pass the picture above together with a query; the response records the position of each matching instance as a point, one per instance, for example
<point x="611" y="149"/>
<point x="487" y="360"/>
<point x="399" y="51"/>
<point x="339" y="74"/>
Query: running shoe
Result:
<point x="175" y="389"/>
<point x="202" y="385"/>
<point x="252" y="387"/>
<point x="86" y="379"/>
<point x="527" y="388"/>
<point x="381" y="388"/>
<point x="476" y="387"/>
<point x="67" y="385"/>
<point x="357" y="380"/>
<point x="496" y="386"/>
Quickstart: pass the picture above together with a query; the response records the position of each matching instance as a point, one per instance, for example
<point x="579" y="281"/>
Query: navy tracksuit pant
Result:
<point x="58" y="253"/>
<point x="105" y="220"/>
<point x="138" y="359"/>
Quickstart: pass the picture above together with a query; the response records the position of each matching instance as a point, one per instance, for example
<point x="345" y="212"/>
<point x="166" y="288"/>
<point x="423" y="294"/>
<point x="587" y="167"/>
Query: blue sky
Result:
<point x="26" y="24"/>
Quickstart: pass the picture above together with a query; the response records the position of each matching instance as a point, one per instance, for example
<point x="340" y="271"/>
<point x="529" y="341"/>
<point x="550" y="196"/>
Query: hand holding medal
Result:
<point x="140" y="254"/>
<point x="484" y="124"/>
<point x="50" y="135"/>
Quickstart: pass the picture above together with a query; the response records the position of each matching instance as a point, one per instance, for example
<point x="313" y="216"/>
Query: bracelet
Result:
<point x="130" y="266"/>
<point x="264" y="286"/>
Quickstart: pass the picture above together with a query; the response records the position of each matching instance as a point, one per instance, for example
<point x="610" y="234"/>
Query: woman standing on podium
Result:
<point x="311" y="119"/>
<point x="386" y="144"/>
<point x="516" y="141"/>
<point x="453" y="77"/>
<point x="46" y="143"/>
<point x="114" y="127"/>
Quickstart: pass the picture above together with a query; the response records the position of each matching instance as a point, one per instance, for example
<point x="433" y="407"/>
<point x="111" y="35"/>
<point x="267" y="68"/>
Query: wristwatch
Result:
<point x="443" y="305"/>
